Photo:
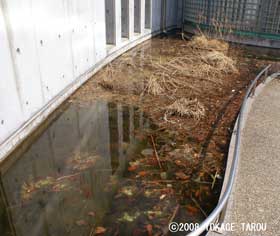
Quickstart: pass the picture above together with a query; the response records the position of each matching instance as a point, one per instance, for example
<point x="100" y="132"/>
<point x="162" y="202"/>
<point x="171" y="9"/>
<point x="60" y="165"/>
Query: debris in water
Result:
<point x="147" y="152"/>
<point x="192" y="210"/>
<point x="129" y="218"/>
<point x="81" y="223"/>
<point x="149" y="229"/>
<point x="128" y="191"/>
<point x="182" y="176"/>
<point x="202" y="42"/>
<point x="80" y="163"/>
<point x="99" y="230"/>
<point x="221" y="62"/>
<point x="190" y="108"/>
<point x="91" y="213"/>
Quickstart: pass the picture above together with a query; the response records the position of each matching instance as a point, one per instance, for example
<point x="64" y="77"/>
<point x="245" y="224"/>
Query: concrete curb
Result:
<point x="250" y="102"/>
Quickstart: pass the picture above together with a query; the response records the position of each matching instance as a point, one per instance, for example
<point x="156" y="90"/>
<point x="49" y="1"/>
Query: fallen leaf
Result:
<point x="197" y="193"/>
<point x="100" y="230"/>
<point x="81" y="223"/>
<point x="180" y="163"/>
<point x="192" y="210"/>
<point x="181" y="175"/>
<point x="137" y="232"/>
<point x="91" y="213"/>
<point x="149" y="229"/>
<point x="142" y="173"/>
<point x="132" y="168"/>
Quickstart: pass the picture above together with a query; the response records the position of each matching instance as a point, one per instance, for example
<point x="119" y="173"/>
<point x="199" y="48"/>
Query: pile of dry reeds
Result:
<point x="190" y="108"/>
<point x="201" y="42"/>
<point x="203" y="59"/>
<point x="195" y="64"/>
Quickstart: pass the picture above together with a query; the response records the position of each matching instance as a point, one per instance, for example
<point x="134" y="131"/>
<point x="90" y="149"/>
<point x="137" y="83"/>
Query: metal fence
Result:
<point x="259" y="18"/>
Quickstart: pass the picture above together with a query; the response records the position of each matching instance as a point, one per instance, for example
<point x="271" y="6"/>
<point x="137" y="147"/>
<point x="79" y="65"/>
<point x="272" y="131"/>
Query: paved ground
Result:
<point x="256" y="195"/>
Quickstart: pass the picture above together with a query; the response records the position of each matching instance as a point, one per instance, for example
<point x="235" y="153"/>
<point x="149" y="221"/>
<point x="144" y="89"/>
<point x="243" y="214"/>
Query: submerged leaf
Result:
<point x="182" y="176"/>
<point x="100" y="230"/>
<point x="192" y="210"/>
<point x="129" y="218"/>
<point x="143" y="173"/>
<point x="91" y="213"/>
<point x="149" y="229"/>
<point x="81" y="223"/>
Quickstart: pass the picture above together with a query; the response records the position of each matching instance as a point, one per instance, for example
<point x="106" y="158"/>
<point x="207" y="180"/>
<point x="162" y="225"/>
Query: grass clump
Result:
<point x="154" y="87"/>
<point x="204" y="43"/>
<point x="184" y="107"/>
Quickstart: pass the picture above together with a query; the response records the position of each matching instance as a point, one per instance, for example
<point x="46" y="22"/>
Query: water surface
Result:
<point x="64" y="181"/>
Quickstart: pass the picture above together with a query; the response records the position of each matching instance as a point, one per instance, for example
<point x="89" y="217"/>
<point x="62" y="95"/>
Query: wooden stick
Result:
<point x="155" y="151"/>
<point x="200" y="208"/>
<point x="171" y="219"/>
<point x="174" y="214"/>
<point x="214" y="179"/>
<point x="68" y="176"/>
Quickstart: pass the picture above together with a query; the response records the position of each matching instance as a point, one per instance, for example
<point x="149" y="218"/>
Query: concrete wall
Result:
<point x="49" y="48"/>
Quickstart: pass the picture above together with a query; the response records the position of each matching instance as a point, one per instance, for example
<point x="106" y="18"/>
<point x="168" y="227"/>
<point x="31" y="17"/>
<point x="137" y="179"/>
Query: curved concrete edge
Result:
<point x="13" y="141"/>
<point x="250" y="102"/>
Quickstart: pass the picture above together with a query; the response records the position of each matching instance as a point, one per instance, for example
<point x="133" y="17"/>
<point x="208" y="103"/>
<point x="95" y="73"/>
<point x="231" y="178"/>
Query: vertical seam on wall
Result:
<point x="68" y="6"/>
<point x="7" y="24"/>
<point x="37" y="54"/>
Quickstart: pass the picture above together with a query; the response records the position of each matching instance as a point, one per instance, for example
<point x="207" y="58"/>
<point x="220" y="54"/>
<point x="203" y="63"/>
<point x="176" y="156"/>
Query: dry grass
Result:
<point x="196" y="63"/>
<point x="130" y="86"/>
<point x="201" y="65"/>
<point x="112" y="79"/>
<point x="220" y="62"/>
<point x="204" y="43"/>
<point x="190" y="108"/>
<point x="153" y="86"/>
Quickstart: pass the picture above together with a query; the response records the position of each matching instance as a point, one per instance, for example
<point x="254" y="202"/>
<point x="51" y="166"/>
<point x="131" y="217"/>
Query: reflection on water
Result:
<point x="64" y="182"/>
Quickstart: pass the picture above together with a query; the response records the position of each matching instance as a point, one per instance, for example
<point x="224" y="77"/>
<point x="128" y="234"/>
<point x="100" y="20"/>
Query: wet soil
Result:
<point x="109" y="163"/>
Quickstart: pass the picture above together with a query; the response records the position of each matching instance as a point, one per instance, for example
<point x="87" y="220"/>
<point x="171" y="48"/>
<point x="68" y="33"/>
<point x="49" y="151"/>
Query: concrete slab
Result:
<point x="255" y="198"/>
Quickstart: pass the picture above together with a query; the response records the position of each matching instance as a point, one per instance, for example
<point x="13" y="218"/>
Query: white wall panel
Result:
<point x="11" y="115"/>
<point x="118" y="7"/>
<point x="99" y="29"/>
<point x="53" y="32"/>
<point x="143" y="15"/>
<point x="46" y="45"/>
<point x="82" y="23"/>
<point x="131" y="19"/>
<point x="20" y="22"/>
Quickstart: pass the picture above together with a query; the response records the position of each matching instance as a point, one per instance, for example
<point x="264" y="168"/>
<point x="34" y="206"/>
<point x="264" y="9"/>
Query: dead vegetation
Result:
<point x="205" y="43"/>
<point x="113" y="82"/>
<point x="220" y="62"/>
<point x="190" y="108"/>
<point x="202" y="63"/>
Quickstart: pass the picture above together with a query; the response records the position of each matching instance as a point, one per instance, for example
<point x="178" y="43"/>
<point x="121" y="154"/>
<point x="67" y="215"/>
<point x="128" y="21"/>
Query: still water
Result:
<point x="63" y="184"/>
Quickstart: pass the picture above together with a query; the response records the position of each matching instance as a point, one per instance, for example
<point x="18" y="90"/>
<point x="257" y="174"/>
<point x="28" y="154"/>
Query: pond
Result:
<point x="74" y="177"/>
<point x="65" y="181"/>
<point x="109" y="162"/>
